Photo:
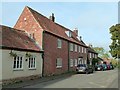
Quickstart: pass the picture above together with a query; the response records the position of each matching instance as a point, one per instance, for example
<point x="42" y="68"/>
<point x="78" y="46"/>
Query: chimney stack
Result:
<point x="80" y="38"/>
<point x="52" y="17"/>
<point x="76" y="31"/>
<point x="90" y="45"/>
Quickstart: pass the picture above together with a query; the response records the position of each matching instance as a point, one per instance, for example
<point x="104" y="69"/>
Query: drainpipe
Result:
<point x="68" y="57"/>
<point x="43" y="53"/>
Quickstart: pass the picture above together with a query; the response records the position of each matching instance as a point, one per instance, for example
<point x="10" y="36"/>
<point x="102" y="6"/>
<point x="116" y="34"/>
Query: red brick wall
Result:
<point x="51" y="53"/>
<point x="75" y="55"/>
<point x="26" y="22"/>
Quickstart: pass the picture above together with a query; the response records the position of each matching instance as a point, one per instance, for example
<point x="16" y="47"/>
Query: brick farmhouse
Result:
<point x="63" y="48"/>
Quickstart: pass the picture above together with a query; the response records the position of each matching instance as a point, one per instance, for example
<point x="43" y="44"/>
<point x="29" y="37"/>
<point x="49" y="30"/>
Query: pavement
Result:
<point x="36" y="81"/>
<point x="99" y="79"/>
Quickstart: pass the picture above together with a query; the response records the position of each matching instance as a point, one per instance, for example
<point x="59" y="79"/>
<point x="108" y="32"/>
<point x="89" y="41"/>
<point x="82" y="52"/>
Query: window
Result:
<point x="95" y="55"/>
<point x="79" y="48"/>
<point x="71" y="62"/>
<point x="59" y="43"/>
<point x="32" y="62"/>
<point x="18" y="61"/>
<point x="75" y="48"/>
<point x="59" y="63"/>
<point x="90" y="55"/>
<point x="82" y="49"/>
<point x="75" y="62"/>
<point x="85" y="50"/>
<point x="68" y="33"/>
<point x="71" y="46"/>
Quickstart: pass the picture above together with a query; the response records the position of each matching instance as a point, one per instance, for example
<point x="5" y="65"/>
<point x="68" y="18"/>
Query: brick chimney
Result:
<point x="52" y="17"/>
<point x="76" y="31"/>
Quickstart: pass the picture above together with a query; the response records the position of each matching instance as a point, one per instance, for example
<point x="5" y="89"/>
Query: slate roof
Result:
<point x="16" y="39"/>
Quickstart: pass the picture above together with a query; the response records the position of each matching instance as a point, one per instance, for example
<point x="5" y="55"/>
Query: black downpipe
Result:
<point x="68" y="57"/>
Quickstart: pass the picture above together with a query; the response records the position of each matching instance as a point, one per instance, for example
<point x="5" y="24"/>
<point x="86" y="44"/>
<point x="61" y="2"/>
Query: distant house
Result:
<point x="21" y="56"/>
<point x="63" y="48"/>
<point x="106" y="60"/>
<point x="91" y="54"/>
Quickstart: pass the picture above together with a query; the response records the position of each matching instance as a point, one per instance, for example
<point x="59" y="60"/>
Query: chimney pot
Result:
<point x="52" y="17"/>
<point x="76" y="31"/>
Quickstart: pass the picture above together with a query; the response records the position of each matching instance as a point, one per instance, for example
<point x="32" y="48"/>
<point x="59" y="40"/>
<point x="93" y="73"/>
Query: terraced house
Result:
<point x="21" y="56"/>
<point x="63" y="48"/>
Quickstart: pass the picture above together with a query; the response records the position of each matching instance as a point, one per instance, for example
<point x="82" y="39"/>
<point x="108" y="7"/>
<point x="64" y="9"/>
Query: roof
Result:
<point x="54" y="28"/>
<point x="16" y="39"/>
<point x="91" y="50"/>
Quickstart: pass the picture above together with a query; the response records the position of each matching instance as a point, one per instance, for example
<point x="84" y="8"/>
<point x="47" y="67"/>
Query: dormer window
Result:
<point x="69" y="33"/>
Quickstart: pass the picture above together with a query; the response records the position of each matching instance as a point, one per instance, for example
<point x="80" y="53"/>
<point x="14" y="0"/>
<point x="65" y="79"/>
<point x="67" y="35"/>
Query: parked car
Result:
<point x="104" y="66"/>
<point x="108" y="67"/>
<point x="111" y="66"/>
<point x="99" y="67"/>
<point x="84" y="68"/>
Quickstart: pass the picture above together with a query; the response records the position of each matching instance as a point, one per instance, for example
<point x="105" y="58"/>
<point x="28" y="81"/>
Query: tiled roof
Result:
<point x="90" y="49"/>
<point x="54" y="28"/>
<point x="12" y="38"/>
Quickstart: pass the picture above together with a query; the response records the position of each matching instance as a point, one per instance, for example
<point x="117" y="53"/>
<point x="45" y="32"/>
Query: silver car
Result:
<point x="84" y="68"/>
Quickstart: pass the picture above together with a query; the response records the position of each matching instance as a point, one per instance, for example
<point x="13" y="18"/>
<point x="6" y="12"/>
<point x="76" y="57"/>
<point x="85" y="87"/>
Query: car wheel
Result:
<point x="87" y="72"/>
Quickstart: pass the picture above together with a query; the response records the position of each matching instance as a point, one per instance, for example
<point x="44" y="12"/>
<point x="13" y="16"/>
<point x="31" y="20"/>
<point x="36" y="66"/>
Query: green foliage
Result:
<point x="115" y="45"/>
<point x="114" y="62"/>
<point x="101" y="52"/>
<point x="13" y="54"/>
<point x="94" y="61"/>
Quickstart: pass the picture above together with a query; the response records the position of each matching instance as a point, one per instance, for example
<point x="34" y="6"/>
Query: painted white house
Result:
<point x="20" y="56"/>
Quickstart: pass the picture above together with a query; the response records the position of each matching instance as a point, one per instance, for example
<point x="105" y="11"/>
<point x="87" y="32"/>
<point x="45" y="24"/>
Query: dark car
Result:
<point x="104" y="66"/>
<point x="108" y="67"/>
<point x="99" y="67"/>
<point x="84" y="68"/>
<point x="111" y="66"/>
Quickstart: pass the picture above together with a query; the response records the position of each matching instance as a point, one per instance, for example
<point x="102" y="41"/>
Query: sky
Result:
<point x="93" y="19"/>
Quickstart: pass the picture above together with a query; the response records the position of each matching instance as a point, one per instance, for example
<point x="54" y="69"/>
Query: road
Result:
<point x="99" y="79"/>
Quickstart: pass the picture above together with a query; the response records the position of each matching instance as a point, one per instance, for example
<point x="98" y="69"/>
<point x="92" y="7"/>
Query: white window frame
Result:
<point x="32" y="62"/>
<point x="59" y="63"/>
<point x="75" y="48"/>
<point x="82" y="49"/>
<point x="71" y="46"/>
<point x="85" y="50"/>
<point x="71" y="63"/>
<point x="90" y="55"/>
<point x="76" y="62"/>
<point x="59" y="43"/>
<point x="79" y="48"/>
<point x="18" y="62"/>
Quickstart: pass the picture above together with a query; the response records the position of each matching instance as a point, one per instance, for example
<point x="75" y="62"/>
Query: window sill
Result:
<point x="17" y="69"/>
<point x="59" y="47"/>
<point x="59" y="67"/>
<point x="32" y="68"/>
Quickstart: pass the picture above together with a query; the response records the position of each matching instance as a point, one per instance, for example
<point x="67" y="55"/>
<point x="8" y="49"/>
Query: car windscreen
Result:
<point x="81" y="65"/>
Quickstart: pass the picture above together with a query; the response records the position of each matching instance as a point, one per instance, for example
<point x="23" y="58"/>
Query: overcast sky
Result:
<point x="93" y="19"/>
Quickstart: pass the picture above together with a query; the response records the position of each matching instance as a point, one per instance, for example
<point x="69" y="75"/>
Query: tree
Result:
<point x="101" y="52"/>
<point x="115" y="45"/>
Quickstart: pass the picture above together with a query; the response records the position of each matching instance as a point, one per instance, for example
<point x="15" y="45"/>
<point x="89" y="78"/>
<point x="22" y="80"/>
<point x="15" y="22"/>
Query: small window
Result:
<point x="90" y="55"/>
<point x="71" y="62"/>
<point x="82" y="49"/>
<point x="32" y="62"/>
<point x="75" y="62"/>
<point x="59" y="43"/>
<point x="59" y="63"/>
<point x="18" y="62"/>
<point x="85" y="50"/>
<point x="71" y="46"/>
<point x="79" y="48"/>
<point x="75" y="48"/>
